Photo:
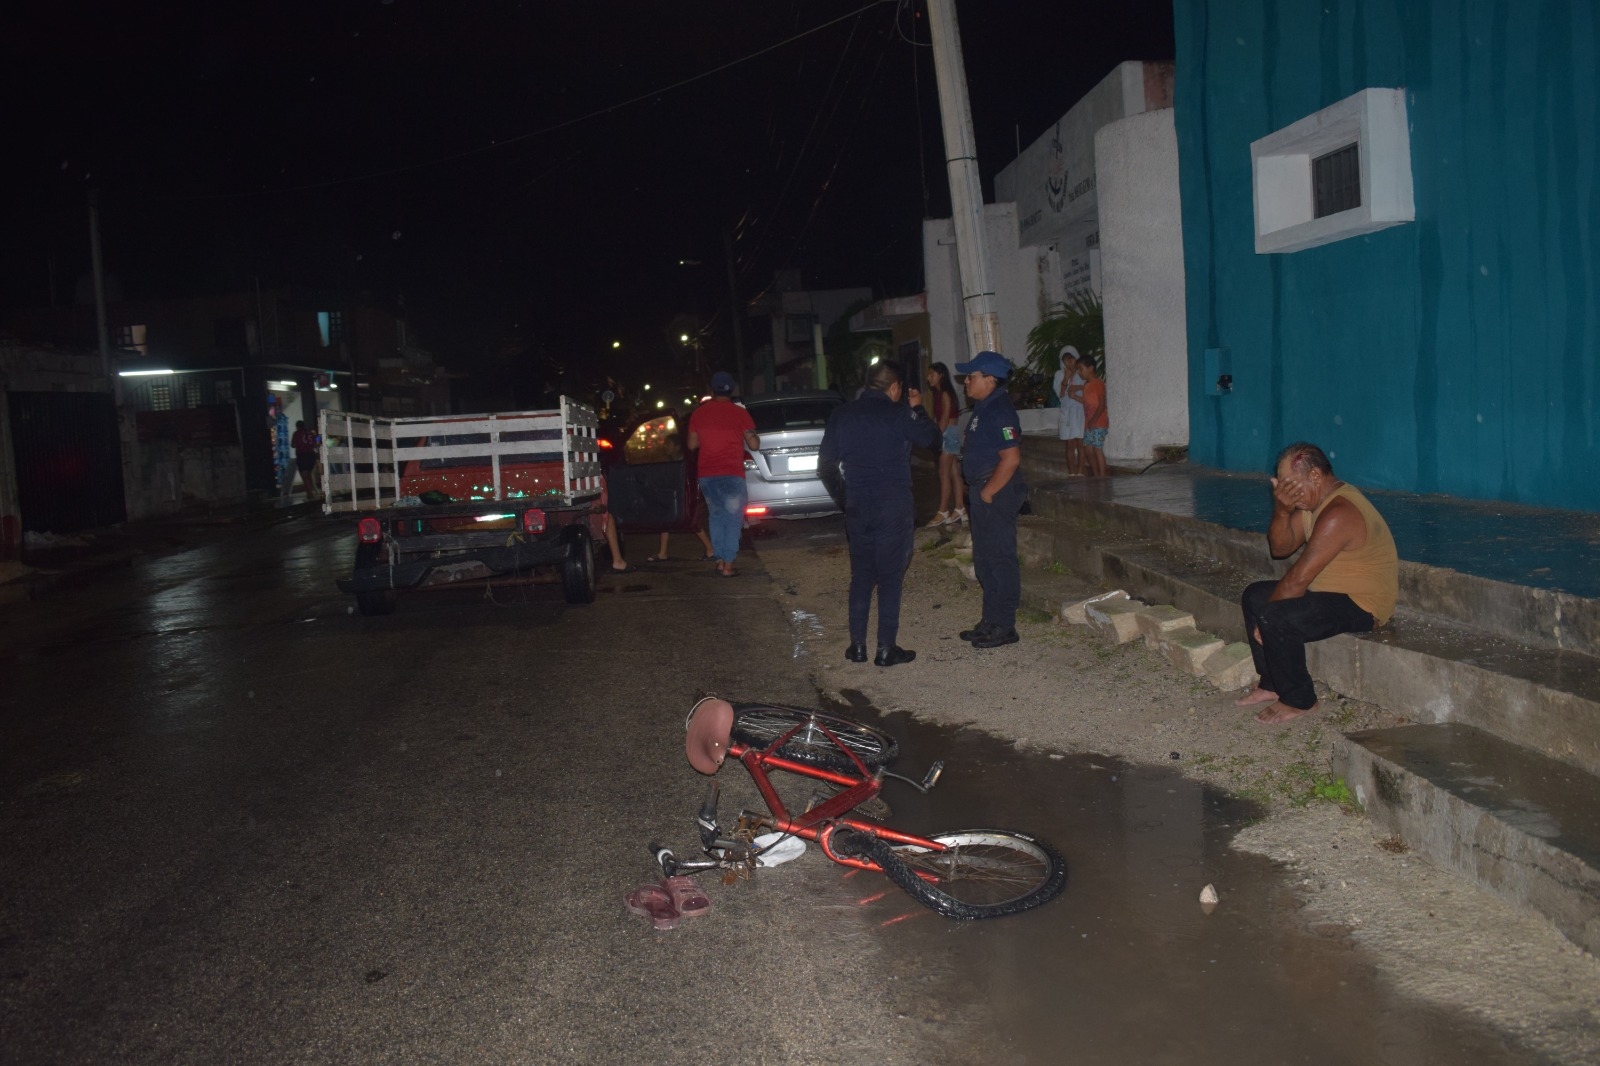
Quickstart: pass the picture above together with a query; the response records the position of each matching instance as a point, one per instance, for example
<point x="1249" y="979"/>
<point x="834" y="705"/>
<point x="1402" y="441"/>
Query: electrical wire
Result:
<point x="556" y="127"/>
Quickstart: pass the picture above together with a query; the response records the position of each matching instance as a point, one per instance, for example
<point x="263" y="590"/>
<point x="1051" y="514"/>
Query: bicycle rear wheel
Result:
<point x="982" y="873"/>
<point x="759" y="724"/>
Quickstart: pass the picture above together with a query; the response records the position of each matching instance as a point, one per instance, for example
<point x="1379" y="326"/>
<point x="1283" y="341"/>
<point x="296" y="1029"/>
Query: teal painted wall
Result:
<point x="1455" y="354"/>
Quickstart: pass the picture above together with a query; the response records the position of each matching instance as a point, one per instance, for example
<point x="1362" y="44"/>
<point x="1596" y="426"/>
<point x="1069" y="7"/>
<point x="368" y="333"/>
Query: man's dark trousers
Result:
<point x="879" y="523"/>
<point x="994" y="551"/>
<point x="1286" y="627"/>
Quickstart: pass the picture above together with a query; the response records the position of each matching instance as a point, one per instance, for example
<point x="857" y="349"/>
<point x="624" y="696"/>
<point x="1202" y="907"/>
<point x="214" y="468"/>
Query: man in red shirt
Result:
<point x="720" y="430"/>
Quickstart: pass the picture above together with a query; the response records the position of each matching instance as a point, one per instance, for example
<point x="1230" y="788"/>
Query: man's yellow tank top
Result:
<point x="1369" y="575"/>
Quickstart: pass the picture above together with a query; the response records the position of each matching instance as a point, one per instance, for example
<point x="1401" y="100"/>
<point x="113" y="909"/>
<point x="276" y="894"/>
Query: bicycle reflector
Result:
<point x="533" y="521"/>
<point x="369" y="530"/>
<point x="755" y="509"/>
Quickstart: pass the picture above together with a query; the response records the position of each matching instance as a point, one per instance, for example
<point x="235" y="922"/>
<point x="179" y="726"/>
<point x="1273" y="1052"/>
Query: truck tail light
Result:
<point x="533" y="521"/>
<point x="755" y="510"/>
<point x="369" y="530"/>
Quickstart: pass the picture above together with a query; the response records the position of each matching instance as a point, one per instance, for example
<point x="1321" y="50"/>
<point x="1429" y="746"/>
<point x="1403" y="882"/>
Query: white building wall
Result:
<point x="1141" y="248"/>
<point x="1014" y="272"/>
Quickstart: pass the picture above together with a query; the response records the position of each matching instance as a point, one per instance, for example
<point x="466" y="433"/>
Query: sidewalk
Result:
<point x="1064" y="689"/>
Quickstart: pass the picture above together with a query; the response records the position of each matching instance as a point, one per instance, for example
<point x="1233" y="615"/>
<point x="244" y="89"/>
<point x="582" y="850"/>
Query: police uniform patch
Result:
<point x="1006" y="433"/>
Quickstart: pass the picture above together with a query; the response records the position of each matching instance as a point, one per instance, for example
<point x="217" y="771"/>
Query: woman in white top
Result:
<point x="1070" y="389"/>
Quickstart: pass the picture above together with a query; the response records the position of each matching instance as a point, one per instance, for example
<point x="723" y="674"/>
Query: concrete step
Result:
<point x="1520" y="825"/>
<point x="1426" y="667"/>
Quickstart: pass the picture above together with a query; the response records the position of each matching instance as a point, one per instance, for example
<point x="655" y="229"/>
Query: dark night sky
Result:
<point x="440" y="149"/>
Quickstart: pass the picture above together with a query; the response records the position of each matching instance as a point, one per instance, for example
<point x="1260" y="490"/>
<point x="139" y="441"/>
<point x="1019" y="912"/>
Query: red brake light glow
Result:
<point x="369" y="530"/>
<point x="533" y="521"/>
<point x="755" y="509"/>
<point x="605" y="443"/>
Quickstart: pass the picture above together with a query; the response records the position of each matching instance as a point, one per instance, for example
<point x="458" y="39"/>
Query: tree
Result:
<point x="1079" y="321"/>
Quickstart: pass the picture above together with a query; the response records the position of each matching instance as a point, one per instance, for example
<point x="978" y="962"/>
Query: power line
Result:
<point x="556" y="127"/>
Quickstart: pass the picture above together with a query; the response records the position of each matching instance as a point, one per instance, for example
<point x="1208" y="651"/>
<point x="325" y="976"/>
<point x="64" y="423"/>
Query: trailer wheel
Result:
<point x="577" y="569"/>
<point x="378" y="601"/>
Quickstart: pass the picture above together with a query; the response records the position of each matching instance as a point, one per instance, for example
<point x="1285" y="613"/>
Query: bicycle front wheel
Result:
<point x="982" y="873"/>
<point x="759" y="724"/>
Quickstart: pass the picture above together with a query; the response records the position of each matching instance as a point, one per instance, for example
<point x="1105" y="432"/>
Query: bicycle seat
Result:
<point x="710" y="727"/>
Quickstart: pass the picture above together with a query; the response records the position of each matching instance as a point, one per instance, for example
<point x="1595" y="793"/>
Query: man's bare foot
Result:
<point x="1255" y="696"/>
<point x="1282" y="712"/>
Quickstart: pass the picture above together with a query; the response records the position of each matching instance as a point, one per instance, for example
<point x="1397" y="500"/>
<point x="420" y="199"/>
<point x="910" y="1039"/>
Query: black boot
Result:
<point x="893" y="655"/>
<point x="996" y="638"/>
<point x="856" y="653"/>
<point x="982" y="629"/>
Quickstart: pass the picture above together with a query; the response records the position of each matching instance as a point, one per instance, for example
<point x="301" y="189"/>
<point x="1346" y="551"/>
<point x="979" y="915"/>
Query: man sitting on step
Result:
<point x="1346" y="579"/>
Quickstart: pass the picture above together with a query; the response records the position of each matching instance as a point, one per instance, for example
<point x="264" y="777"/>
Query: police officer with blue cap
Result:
<point x="991" y="463"/>
<point x="866" y="459"/>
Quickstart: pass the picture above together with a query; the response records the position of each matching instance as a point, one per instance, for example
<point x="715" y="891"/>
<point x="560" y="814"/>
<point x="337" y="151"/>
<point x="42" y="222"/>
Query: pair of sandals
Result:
<point x="668" y="558"/>
<point x="668" y="902"/>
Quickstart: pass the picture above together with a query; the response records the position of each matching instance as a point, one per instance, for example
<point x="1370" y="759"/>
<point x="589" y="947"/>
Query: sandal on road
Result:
<point x="655" y="903"/>
<point x="656" y="558"/>
<point x="687" y="898"/>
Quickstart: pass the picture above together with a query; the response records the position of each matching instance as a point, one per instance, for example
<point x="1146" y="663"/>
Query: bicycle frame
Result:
<point x="821" y="822"/>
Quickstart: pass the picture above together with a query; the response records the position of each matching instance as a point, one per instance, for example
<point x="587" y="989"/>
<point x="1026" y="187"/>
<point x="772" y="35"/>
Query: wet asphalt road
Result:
<point x="241" y="824"/>
<point x="238" y="823"/>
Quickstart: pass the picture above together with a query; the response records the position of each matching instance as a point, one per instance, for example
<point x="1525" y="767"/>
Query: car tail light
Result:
<point x="605" y="444"/>
<point x="369" y="530"/>
<point x="533" y="521"/>
<point x="755" y="510"/>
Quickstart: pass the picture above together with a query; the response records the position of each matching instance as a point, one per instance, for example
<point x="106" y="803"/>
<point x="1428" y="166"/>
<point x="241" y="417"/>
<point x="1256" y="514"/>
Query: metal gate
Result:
<point x="69" y="460"/>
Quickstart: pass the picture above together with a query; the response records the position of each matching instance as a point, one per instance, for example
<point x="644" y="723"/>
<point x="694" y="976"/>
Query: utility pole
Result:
<point x="966" y="191"/>
<point x="98" y="268"/>
<point x="735" y="311"/>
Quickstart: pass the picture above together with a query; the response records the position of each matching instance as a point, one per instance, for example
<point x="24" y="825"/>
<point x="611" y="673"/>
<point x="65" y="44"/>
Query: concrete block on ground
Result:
<point x="1516" y="823"/>
<point x="1161" y="618"/>
<point x="1077" y="613"/>
<point x="1115" y="619"/>
<point x="1188" y="649"/>
<point x="1230" y="667"/>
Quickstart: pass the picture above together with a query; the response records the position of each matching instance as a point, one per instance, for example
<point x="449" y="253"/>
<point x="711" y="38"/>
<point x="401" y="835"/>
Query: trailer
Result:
<point x="444" y="500"/>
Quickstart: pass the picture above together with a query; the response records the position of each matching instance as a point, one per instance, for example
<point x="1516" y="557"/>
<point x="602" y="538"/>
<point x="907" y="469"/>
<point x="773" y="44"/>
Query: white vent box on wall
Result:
<point x="1341" y="172"/>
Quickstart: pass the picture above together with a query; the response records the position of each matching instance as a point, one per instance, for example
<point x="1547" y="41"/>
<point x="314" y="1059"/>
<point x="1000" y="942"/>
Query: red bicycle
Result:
<point x="973" y="873"/>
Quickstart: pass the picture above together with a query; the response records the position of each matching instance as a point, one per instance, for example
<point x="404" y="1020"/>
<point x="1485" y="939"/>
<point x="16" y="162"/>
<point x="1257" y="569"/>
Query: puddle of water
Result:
<point x="1125" y="966"/>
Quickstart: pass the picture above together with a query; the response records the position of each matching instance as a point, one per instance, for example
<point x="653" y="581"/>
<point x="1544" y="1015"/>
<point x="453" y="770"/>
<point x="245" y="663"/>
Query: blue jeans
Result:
<point x="1286" y="627"/>
<point x="725" y="500"/>
<point x="880" y="525"/>
<point x="994" y="550"/>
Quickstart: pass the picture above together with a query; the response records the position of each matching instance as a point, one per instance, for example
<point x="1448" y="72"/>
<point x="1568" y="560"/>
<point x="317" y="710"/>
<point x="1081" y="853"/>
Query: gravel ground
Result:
<point x="1431" y="934"/>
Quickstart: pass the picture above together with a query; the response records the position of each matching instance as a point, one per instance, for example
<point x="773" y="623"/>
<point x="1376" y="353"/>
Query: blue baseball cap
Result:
<point x="992" y="363"/>
<point x="722" y="383"/>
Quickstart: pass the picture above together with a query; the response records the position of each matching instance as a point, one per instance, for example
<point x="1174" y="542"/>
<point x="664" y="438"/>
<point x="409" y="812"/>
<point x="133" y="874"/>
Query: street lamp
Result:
<point x="647" y="388"/>
<point x="683" y="338"/>
<point x="616" y="344"/>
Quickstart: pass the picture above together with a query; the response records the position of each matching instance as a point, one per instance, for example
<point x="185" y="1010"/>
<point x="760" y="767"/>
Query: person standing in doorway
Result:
<point x="991" y="461"/>
<point x="871" y="439"/>
<point x="721" y="430"/>
<point x="1096" y="419"/>
<point x="304" y="443"/>
<point x="946" y="412"/>
<point x="1068" y="385"/>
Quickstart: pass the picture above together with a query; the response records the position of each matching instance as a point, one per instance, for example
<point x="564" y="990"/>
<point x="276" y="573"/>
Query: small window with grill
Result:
<point x="223" y="391"/>
<point x="191" y="394"/>
<point x="160" y="397"/>
<point x="1336" y="181"/>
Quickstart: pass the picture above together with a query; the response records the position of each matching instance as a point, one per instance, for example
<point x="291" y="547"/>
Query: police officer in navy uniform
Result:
<point x="991" y="463"/>
<point x="871" y="439"/>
